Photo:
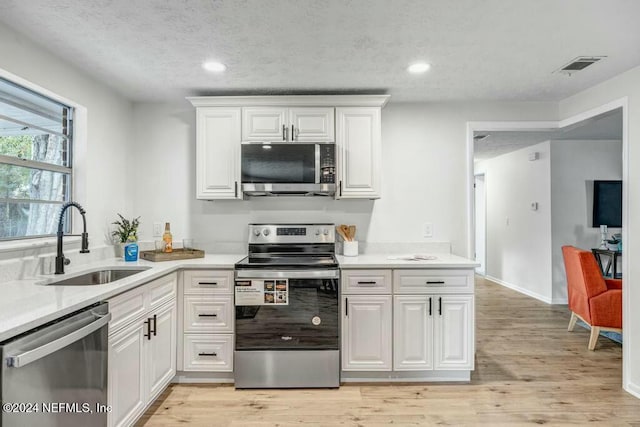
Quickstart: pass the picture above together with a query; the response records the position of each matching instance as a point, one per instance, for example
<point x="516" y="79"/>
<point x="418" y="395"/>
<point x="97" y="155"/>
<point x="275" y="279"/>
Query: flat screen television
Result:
<point x="607" y="203"/>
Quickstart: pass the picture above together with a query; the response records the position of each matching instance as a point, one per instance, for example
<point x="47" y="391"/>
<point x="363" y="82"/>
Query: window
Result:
<point x="35" y="162"/>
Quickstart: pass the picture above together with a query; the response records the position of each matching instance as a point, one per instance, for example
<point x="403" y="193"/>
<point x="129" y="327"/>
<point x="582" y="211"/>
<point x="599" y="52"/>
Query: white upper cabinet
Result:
<point x="310" y="124"/>
<point x="266" y="124"/>
<point x="218" y="153"/>
<point x="359" y="150"/>
<point x="280" y="124"/>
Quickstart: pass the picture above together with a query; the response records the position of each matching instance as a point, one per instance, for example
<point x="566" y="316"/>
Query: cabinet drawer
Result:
<point x="127" y="307"/>
<point x="208" y="314"/>
<point x="161" y="290"/>
<point x="213" y="353"/>
<point x="208" y="281"/>
<point x="366" y="281"/>
<point x="432" y="281"/>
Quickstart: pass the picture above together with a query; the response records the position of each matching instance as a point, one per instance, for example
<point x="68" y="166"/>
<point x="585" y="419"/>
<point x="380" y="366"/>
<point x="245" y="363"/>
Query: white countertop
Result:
<point x="398" y="261"/>
<point x="26" y="304"/>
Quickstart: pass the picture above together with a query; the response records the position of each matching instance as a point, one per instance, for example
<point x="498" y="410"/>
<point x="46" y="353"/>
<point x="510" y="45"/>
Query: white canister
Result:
<point x="350" y="249"/>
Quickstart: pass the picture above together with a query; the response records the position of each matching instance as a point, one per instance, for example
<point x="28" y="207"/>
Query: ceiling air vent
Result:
<point x="579" y="64"/>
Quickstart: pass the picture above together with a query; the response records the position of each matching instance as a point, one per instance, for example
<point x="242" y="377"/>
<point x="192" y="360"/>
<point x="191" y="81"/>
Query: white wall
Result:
<point x="626" y="85"/>
<point x="424" y="177"/>
<point x="103" y="163"/>
<point x="519" y="238"/>
<point x="480" y="223"/>
<point x="574" y="167"/>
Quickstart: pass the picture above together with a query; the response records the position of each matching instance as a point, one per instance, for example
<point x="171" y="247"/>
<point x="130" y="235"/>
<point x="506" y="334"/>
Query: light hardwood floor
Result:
<point x="529" y="370"/>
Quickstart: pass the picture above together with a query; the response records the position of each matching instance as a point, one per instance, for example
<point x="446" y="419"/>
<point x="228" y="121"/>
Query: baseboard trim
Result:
<point x="563" y="301"/>
<point x="522" y="290"/>
<point x="632" y="389"/>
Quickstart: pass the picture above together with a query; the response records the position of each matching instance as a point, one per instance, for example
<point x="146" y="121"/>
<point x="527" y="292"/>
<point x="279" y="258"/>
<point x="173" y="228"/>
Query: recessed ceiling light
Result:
<point x="214" y="67"/>
<point x="418" y="67"/>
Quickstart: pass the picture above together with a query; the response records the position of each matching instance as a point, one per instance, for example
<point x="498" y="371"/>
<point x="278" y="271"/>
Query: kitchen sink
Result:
<point x="98" y="277"/>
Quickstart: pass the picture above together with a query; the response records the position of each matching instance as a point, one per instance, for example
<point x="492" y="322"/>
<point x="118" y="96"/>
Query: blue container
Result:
<point x="131" y="251"/>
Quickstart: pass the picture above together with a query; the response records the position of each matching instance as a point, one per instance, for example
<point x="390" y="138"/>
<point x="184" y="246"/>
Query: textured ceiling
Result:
<point x="152" y="50"/>
<point x="605" y="127"/>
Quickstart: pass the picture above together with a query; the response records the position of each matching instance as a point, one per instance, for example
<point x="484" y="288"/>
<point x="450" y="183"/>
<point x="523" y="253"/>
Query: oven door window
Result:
<point x="309" y="321"/>
<point x="279" y="163"/>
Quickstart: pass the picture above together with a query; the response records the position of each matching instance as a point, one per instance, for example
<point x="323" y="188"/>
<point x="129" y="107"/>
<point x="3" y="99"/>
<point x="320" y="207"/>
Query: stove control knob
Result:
<point x="266" y="231"/>
<point x="325" y="232"/>
<point x="256" y="232"/>
<point x="318" y="232"/>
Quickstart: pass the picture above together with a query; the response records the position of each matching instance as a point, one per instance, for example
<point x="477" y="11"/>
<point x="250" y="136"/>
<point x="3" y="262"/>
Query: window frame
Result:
<point x="69" y="116"/>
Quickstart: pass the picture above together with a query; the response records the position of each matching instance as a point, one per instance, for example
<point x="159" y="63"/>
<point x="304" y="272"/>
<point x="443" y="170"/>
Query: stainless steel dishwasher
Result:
<point x="56" y="374"/>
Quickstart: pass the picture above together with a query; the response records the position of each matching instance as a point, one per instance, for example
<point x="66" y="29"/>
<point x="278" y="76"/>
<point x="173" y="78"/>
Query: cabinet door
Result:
<point x="359" y="147"/>
<point x="268" y="124"/>
<point x="218" y="153"/>
<point x="453" y="332"/>
<point x="311" y="124"/>
<point x="366" y="333"/>
<point x="413" y="333"/>
<point x="126" y="375"/>
<point x="161" y="350"/>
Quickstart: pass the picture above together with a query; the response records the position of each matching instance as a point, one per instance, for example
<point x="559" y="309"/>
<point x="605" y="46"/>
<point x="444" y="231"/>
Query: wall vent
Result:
<point x="480" y="137"/>
<point x="579" y="64"/>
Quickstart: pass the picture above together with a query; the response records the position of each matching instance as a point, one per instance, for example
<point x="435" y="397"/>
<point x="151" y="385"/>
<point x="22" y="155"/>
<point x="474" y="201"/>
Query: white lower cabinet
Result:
<point x="208" y="318"/>
<point x="433" y="332"/>
<point x="126" y="376"/>
<point x="413" y="333"/>
<point x="366" y="333"/>
<point x="142" y="349"/>
<point x="454" y="333"/>
<point x="426" y="324"/>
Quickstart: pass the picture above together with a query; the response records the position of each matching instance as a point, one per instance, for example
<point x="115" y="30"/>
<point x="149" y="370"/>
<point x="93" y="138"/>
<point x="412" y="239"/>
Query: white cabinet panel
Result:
<point x="126" y="375"/>
<point x="413" y="333"/>
<point x="454" y="332"/>
<point x="208" y="282"/>
<point x="366" y="333"/>
<point x="161" y="291"/>
<point x="161" y="357"/>
<point x="211" y="352"/>
<point x="366" y="281"/>
<point x="309" y="124"/>
<point x="359" y="150"/>
<point x="433" y="281"/>
<point x="217" y="153"/>
<point x="208" y="314"/>
<point x="268" y="124"/>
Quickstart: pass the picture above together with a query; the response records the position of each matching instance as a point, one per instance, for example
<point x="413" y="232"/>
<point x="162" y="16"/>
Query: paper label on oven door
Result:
<point x="262" y="292"/>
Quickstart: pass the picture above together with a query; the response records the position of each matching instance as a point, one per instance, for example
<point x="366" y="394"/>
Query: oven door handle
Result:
<point x="288" y="274"/>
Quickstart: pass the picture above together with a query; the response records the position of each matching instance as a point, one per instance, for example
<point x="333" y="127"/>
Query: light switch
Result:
<point x="157" y="229"/>
<point x="427" y="229"/>
<point x="534" y="206"/>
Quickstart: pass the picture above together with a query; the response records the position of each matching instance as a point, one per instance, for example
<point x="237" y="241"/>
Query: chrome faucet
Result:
<point x="61" y="261"/>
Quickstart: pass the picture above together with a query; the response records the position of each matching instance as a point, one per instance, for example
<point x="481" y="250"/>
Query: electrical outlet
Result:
<point x="157" y="229"/>
<point x="427" y="229"/>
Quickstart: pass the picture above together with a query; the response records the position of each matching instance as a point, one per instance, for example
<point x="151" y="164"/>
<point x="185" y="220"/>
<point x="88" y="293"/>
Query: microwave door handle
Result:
<point x="317" y="168"/>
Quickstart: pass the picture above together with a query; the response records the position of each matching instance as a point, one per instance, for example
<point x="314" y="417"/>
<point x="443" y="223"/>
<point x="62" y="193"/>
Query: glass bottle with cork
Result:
<point x="168" y="239"/>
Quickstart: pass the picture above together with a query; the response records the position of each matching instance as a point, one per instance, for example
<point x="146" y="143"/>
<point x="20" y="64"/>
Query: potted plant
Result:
<point x="125" y="230"/>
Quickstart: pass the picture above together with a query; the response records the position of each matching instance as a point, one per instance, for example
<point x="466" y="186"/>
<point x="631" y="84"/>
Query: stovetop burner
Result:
<point x="288" y="261"/>
<point x="290" y="246"/>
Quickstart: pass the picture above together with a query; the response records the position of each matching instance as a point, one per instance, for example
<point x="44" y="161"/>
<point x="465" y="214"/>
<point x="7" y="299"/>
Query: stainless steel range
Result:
<point x="286" y="298"/>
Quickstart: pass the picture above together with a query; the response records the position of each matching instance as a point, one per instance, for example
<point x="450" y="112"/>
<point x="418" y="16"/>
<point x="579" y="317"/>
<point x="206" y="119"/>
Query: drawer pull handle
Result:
<point x="371" y="282"/>
<point x="208" y="354"/>
<point x="435" y="282"/>
<point x="208" y="283"/>
<point x="207" y="315"/>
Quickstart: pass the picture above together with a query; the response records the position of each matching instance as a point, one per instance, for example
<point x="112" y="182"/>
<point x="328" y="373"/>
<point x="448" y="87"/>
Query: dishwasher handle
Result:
<point x="23" y="359"/>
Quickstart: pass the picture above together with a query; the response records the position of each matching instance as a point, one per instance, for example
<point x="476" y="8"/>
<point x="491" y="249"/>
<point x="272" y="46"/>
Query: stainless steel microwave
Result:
<point x="288" y="169"/>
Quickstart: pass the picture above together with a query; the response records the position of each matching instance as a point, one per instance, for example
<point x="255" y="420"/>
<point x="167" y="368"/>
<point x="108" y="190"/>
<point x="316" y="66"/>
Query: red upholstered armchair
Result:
<point x="592" y="298"/>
